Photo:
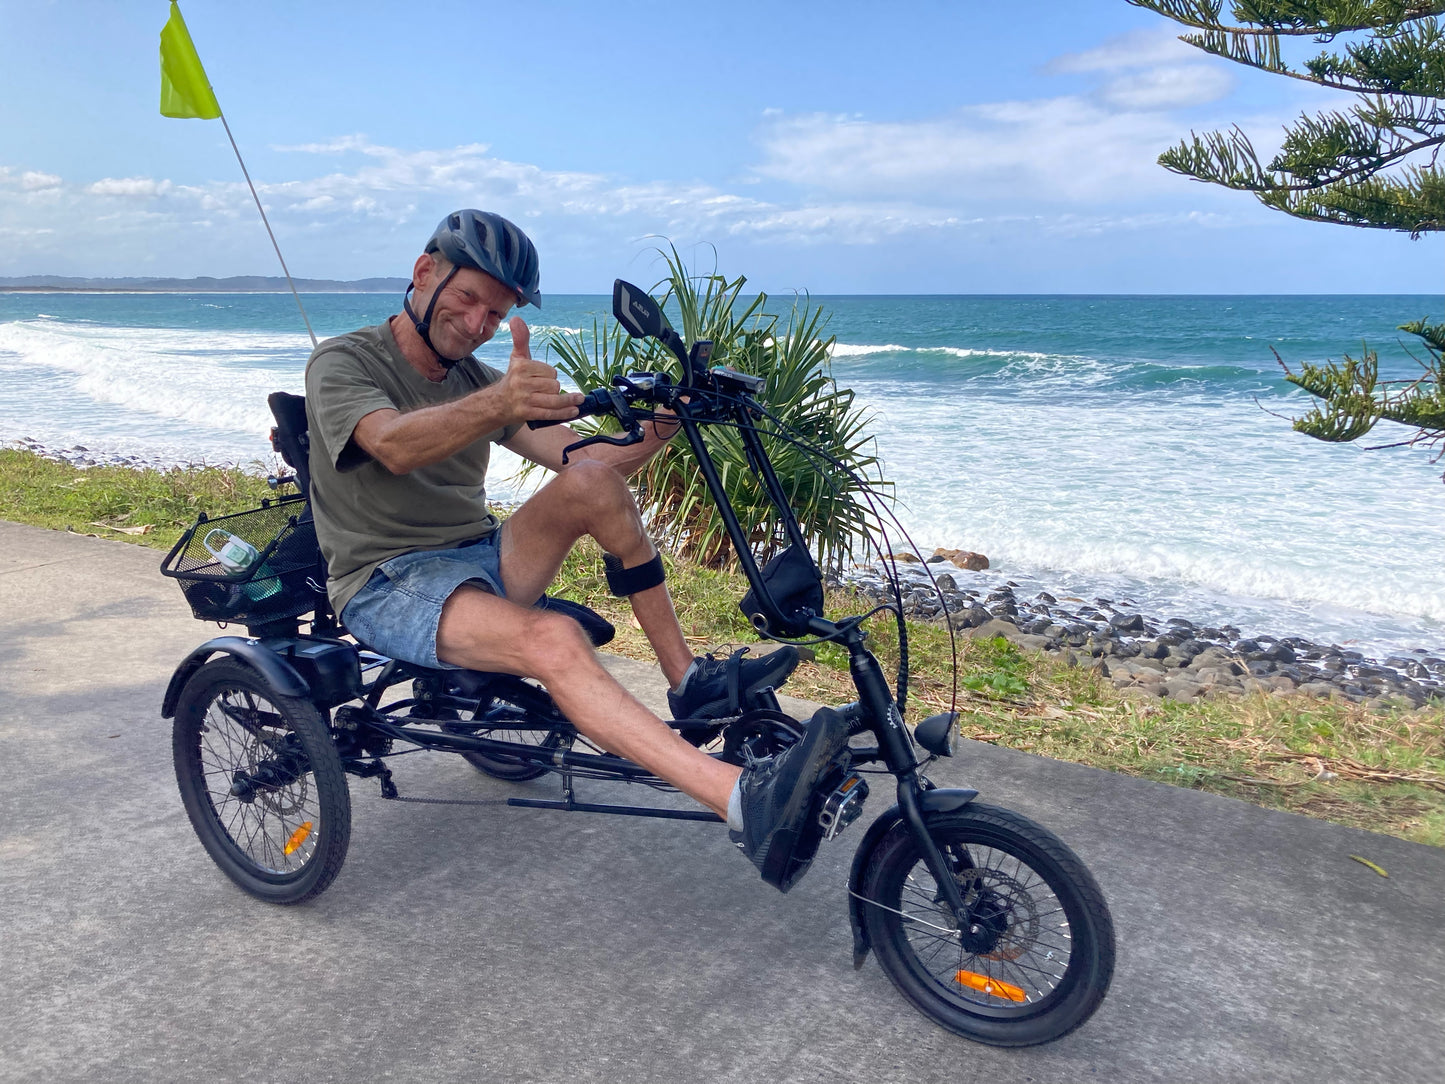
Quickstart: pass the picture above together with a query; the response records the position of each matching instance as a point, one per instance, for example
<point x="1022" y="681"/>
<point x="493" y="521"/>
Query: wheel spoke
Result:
<point x="1023" y="937"/>
<point x="232" y="732"/>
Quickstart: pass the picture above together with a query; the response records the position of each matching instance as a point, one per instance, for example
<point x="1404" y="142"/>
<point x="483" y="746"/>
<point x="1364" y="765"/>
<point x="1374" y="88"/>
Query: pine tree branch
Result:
<point x="1355" y="400"/>
<point x="1329" y="70"/>
<point x="1332" y="148"/>
<point x="1413" y="204"/>
<point x="1330" y="168"/>
<point x="1401" y="58"/>
<point x="1321" y="20"/>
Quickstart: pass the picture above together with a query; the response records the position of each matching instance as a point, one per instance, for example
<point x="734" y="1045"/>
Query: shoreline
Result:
<point x="83" y="457"/>
<point x="1159" y="655"/>
<point x="1153" y="656"/>
<point x="179" y="293"/>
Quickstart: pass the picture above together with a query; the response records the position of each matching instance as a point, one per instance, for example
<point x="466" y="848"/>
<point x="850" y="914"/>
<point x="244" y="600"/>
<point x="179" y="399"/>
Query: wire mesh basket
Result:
<point x="250" y="567"/>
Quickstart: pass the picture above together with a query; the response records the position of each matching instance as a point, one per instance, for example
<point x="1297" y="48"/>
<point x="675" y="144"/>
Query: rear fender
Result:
<point x="930" y="801"/>
<point x="327" y="672"/>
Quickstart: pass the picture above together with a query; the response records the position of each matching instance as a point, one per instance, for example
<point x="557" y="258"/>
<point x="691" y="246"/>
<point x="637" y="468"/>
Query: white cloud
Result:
<point x="362" y="220"/>
<point x="129" y="187"/>
<point x="340" y="145"/>
<point x="1063" y="150"/>
<point x="1062" y="167"/>
<point x="1074" y="165"/>
<point x="1150" y="70"/>
<point x="1095" y="147"/>
<point x="1137" y="49"/>
<point x="1099" y="225"/>
<point x="1167" y="88"/>
<point x="35" y="181"/>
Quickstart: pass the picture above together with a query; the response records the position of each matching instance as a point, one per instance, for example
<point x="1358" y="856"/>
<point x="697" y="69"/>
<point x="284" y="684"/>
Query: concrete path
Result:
<point x="466" y="944"/>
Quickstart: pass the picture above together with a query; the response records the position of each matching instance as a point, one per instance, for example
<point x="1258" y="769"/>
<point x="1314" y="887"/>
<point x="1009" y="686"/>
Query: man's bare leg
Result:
<point x="590" y="498"/>
<point x="483" y="632"/>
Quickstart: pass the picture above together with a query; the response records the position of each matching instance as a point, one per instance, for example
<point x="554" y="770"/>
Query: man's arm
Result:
<point x="403" y="442"/>
<point x="529" y="389"/>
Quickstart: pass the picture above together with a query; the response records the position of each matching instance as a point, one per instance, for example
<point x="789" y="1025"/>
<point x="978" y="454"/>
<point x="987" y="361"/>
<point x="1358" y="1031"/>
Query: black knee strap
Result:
<point x="628" y="581"/>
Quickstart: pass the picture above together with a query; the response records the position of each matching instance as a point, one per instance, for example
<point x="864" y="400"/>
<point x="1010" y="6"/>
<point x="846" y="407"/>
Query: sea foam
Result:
<point x="1108" y="447"/>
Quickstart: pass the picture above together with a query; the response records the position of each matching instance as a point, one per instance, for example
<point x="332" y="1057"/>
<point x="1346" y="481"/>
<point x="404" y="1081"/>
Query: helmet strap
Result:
<point x="423" y="326"/>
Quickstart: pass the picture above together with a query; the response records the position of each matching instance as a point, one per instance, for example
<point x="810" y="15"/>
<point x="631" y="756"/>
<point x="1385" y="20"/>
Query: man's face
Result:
<point x="470" y="307"/>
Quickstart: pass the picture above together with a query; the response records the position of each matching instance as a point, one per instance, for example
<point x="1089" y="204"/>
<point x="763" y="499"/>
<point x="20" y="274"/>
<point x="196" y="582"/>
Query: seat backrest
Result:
<point x="290" y="436"/>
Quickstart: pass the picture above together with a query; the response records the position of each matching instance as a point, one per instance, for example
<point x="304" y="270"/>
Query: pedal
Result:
<point x="842" y="806"/>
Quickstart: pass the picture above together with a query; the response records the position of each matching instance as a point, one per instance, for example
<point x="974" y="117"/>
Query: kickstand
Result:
<point x="569" y="796"/>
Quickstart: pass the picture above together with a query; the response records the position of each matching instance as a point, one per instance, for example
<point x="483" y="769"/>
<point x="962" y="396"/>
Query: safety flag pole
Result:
<point x="186" y="92"/>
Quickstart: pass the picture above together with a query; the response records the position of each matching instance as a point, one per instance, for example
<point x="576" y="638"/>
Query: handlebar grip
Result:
<point x="597" y="401"/>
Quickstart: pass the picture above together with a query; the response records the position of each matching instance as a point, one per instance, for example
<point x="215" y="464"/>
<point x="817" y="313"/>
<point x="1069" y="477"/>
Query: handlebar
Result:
<point x="656" y="388"/>
<point x="597" y="401"/>
<point x="616" y="398"/>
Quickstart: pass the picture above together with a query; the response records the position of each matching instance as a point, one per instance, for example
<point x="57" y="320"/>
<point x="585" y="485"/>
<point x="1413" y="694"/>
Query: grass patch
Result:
<point x="152" y="507"/>
<point x="1342" y="762"/>
<point x="1383" y="771"/>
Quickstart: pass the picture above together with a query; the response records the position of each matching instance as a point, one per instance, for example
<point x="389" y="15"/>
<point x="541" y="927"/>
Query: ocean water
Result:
<point x="1118" y="447"/>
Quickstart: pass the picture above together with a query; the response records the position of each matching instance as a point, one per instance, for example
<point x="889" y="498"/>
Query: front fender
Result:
<point x="280" y="674"/>
<point x="929" y="801"/>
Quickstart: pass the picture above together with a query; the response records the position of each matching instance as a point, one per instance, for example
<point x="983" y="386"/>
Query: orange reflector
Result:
<point x="298" y="837"/>
<point x="984" y="984"/>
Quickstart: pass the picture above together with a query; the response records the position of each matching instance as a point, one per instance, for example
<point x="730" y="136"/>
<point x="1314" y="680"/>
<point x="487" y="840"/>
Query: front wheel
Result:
<point x="1035" y="958"/>
<point x="262" y="783"/>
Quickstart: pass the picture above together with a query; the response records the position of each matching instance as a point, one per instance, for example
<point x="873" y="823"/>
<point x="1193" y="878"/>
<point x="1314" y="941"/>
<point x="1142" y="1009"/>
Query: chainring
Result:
<point x="758" y="735"/>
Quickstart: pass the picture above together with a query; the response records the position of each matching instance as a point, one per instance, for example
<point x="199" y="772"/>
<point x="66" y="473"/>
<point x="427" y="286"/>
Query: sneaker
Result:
<point x="777" y="798"/>
<point x="713" y="688"/>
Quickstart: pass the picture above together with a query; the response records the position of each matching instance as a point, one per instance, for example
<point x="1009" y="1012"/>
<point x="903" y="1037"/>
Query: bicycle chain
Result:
<point x="445" y="801"/>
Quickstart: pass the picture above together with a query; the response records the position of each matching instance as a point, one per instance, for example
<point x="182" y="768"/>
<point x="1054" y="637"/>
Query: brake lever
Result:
<point x="622" y="411"/>
<point x="633" y="435"/>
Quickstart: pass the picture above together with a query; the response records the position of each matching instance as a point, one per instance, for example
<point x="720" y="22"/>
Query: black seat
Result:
<point x="292" y="440"/>
<point x="291" y="436"/>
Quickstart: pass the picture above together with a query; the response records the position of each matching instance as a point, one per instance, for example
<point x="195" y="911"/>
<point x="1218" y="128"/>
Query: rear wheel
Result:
<point x="1037" y="954"/>
<point x="261" y="782"/>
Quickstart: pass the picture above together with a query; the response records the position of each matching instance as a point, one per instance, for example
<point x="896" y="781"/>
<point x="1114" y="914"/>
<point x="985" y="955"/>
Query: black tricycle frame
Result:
<point x="347" y="684"/>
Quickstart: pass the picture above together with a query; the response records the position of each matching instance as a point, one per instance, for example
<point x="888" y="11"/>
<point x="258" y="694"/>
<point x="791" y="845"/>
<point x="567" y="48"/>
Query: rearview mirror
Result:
<point x="637" y="311"/>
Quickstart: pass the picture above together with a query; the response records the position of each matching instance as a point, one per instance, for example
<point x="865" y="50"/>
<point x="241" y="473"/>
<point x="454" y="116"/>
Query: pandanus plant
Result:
<point x="833" y="494"/>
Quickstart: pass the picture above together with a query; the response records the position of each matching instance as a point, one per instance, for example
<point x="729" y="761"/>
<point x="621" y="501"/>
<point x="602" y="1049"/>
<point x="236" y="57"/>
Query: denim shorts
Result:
<point x="398" y="611"/>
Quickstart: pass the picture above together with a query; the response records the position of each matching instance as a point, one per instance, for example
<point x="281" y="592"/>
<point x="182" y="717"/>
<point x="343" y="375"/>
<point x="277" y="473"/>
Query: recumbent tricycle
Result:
<point x="985" y="921"/>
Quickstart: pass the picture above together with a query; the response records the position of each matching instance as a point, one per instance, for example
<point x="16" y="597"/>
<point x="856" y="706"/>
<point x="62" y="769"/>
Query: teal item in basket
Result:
<point x="236" y="556"/>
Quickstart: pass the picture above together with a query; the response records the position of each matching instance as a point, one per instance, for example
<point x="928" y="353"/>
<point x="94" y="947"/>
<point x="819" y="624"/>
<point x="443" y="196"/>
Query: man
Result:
<point x="402" y="419"/>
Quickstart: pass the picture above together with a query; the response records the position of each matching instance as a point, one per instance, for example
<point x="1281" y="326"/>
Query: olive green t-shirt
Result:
<point x="365" y="514"/>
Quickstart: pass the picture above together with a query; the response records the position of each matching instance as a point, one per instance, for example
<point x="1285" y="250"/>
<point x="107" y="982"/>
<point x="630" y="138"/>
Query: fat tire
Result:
<point x="1017" y="850"/>
<point x="208" y="744"/>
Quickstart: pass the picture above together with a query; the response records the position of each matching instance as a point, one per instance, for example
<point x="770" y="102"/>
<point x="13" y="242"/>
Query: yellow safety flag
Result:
<point x="185" y="90"/>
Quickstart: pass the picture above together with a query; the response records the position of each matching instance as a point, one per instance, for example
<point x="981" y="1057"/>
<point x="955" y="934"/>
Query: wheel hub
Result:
<point x="269" y="781"/>
<point x="1000" y="921"/>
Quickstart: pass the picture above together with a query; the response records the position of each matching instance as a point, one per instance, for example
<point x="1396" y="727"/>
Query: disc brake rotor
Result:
<point x="261" y="752"/>
<point x="1006" y="912"/>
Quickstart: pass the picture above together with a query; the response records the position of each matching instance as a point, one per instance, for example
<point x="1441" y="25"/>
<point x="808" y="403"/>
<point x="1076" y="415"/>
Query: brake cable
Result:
<point x="785" y="433"/>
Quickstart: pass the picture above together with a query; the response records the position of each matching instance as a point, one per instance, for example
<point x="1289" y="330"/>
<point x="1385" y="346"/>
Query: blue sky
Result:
<point x="834" y="147"/>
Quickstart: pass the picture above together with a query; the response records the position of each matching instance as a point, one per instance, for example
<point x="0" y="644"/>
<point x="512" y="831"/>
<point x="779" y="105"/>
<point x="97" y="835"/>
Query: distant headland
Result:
<point x="236" y="284"/>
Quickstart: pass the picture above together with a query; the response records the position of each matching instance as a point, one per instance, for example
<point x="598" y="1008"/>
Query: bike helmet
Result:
<point x="485" y="242"/>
